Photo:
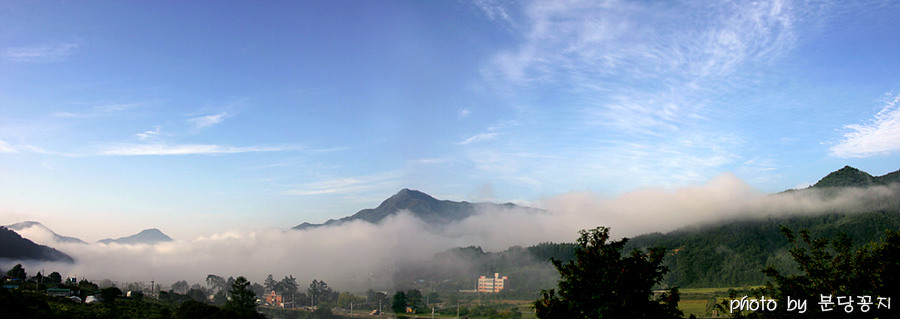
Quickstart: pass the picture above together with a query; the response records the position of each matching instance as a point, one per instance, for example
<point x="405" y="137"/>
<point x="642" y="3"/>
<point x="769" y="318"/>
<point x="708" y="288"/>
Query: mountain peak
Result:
<point x="26" y="224"/>
<point x="17" y="247"/>
<point x="151" y="231"/>
<point x="19" y="227"/>
<point x="846" y="177"/>
<point x="409" y="194"/>
<point x="423" y="206"/>
<point x="147" y="236"/>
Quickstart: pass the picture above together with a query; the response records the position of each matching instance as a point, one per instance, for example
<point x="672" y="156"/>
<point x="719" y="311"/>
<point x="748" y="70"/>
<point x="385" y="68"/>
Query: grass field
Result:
<point x="693" y="301"/>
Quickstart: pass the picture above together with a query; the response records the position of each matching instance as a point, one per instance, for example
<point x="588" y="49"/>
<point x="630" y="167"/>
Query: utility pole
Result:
<point x="457" y="311"/>
<point x="432" y="312"/>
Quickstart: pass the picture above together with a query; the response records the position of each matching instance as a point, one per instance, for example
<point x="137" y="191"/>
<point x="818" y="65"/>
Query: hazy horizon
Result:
<point x="359" y="254"/>
<point x="649" y="195"/>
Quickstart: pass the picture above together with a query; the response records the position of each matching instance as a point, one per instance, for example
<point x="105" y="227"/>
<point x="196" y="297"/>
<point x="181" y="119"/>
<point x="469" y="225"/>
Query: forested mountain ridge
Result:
<point x="56" y="237"/>
<point x="734" y="254"/>
<point x="17" y="248"/>
<point x="852" y="177"/>
<point x="729" y="254"/>
<point x="725" y="254"/>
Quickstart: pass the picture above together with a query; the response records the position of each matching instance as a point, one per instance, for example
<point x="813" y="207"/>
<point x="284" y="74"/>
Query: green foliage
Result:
<point x="602" y="283"/>
<point x="547" y="251"/>
<point x="180" y="286"/>
<point x="288" y="287"/>
<point x="731" y="254"/>
<point x="455" y="269"/>
<point x="197" y="295"/>
<point x="398" y="302"/>
<point x="54" y="279"/>
<point x="87" y="288"/>
<point x="193" y="309"/>
<point x="847" y="177"/>
<point x="345" y="298"/>
<point x="215" y="282"/>
<point x="323" y="311"/>
<point x="22" y="303"/>
<point x="243" y="300"/>
<point x="415" y="300"/>
<point x="320" y="292"/>
<point x="491" y="311"/>
<point x="832" y="266"/>
<point x="27" y="304"/>
<point x="219" y="298"/>
<point x="110" y="294"/>
<point x="270" y="284"/>
<point x="17" y="272"/>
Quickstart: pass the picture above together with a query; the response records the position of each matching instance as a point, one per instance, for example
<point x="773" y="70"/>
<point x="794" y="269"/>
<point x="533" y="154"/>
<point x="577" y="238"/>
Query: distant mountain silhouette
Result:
<point x="56" y="237"/>
<point x="18" y="248"/>
<point x="419" y="204"/>
<point x="852" y="177"/>
<point x="147" y="236"/>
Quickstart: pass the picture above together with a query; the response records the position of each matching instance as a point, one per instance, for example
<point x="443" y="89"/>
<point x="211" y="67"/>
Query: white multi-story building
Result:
<point x="486" y="284"/>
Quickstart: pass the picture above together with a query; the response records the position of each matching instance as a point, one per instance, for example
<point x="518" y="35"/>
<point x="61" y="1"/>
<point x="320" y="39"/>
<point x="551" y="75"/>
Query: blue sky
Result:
<point x="197" y="116"/>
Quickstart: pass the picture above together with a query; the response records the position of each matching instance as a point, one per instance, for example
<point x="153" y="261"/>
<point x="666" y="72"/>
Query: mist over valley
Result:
<point x="417" y="240"/>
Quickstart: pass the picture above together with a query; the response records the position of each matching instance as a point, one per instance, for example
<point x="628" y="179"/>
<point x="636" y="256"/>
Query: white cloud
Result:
<point x="6" y="148"/>
<point x="881" y="135"/>
<point x="188" y="149"/>
<point x="347" y="185"/>
<point x="464" y="113"/>
<point x="641" y="85"/>
<point x="492" y="132"/>
<point x="149" y="134"/>
<point x="208" y="120"/>
<point x="591" y="39"/>
<point x="479" y="138"/>
<point x="644" y="67"/>
<point x="432" y="161"/>
<point x="40" y="53"/>
<point x="493" y="9"/>
<point x="99" y="110"/>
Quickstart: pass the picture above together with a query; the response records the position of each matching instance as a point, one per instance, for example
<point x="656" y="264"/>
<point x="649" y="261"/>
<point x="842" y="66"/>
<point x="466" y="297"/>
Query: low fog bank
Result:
<point x="357" y="256"/>
<point x="721" y="199"/>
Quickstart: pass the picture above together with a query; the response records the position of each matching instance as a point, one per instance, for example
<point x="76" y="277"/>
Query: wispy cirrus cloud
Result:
<point x="6" y="148"/>
<point x="347" y="185"/>
<point x="493" y="9"/>
<point x="99" y="110"/>
<point x="149" y="134"/>
<point x="605" y="40"/>
<point x="162" y="149"/>
<point x="881" y="135"/>
<point x="479" y="138"/>
<point x="209" y="120"/>
<point x="641" y="82"/>
<point x="643" y="60"/>
<point x="40" y="53"/>
<point x="492" y="132"/>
